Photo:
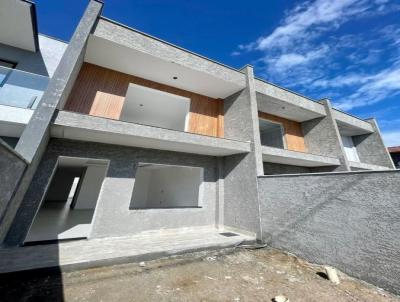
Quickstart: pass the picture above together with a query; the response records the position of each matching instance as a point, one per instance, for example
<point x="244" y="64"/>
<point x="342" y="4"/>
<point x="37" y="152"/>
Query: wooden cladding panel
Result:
<point x="293" y="132"/>
<point x="101" y="92"/>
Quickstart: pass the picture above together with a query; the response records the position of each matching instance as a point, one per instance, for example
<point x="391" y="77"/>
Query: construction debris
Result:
<point x="332" y="275"/>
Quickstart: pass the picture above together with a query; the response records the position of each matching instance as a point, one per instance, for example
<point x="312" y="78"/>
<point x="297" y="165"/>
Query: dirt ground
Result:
<point x="241" y="275"/>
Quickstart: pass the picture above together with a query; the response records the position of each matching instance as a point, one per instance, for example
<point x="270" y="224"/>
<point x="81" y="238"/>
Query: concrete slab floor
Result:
<point x="116" y="250"/>
<point x="227" y="275"/>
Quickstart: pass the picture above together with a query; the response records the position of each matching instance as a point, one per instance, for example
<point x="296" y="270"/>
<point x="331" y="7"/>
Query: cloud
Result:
<point x="308" y="20"/>
<point x="290" y="60"/>
<point x="374" y="88"/>
<point x="391" y="138"/>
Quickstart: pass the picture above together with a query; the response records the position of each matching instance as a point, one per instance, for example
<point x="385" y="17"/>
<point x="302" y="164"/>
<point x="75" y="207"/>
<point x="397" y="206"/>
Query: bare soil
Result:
<point x="241" y="275"/>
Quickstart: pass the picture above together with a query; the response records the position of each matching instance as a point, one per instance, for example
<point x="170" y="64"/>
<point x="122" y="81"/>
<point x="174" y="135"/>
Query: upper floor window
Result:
<point x="272" y="134"/>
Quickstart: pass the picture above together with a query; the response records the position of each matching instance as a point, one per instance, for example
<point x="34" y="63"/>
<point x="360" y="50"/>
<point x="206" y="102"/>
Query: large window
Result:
<point x="271" y="134"/>
<point x="166" y="186"/>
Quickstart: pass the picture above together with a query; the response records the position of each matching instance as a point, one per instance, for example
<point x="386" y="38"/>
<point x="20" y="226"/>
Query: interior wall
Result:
<point x="168" y="187"/>
<point x="62" y="182"/>
<point x="90" y="187"/>
<point x="293" y="131"/>
<point x="101" y="92"/>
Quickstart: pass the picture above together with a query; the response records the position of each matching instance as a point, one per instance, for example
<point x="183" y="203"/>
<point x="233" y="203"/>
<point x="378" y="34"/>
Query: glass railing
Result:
<point x="21" y="89"/>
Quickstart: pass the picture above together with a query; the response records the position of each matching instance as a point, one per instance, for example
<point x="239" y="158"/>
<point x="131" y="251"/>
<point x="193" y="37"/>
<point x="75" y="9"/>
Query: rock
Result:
<point x="142" y="264"/>
<point x="332" y="275"/>
<point x="281" y="298"/>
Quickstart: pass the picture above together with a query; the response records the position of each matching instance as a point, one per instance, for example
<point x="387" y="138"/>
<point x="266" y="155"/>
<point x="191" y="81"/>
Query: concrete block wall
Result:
<point x="371" y="148"/>
<point x="347" y="220"/>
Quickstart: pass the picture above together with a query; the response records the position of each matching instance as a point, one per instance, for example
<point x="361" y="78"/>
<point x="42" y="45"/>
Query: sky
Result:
<point x="344" y="50"/>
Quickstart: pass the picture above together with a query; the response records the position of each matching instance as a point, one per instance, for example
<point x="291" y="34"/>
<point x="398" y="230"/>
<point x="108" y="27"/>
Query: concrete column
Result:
<point x="241" y="207"/>
<point x="34" y="139"/>
<point x="322" y="137"/>
<point x="371" y="148"/>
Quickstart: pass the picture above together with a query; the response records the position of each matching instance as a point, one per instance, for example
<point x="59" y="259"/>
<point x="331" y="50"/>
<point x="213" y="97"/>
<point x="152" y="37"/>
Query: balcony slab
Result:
<point x="76" y="126"/>
<point x="294" y="158"/>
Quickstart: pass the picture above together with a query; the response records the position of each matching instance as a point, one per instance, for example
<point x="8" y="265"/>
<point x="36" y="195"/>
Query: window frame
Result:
<point x="283" y="132"/>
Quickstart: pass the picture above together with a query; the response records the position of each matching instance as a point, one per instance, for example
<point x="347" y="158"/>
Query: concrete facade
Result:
<point x="347" y="220"/>
<point x="112" y="215"/>
<point x="322" y="137"/>
<point x="371" y="149"/>
<point x="342" y="219"/>
<point x="240" y="171"/>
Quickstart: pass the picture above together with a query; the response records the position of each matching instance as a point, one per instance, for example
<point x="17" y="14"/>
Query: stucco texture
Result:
<point x="347" y="220"/>
<point x="112" y="215"/>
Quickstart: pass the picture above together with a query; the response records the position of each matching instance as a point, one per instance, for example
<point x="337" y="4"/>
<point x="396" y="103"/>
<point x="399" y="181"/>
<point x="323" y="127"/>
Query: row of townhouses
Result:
<point x="117" y="132"/>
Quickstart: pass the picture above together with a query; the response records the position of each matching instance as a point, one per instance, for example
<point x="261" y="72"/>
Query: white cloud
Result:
<point x="289" y="60"/>
<point x="306" y="20"/>
<point x="376" y="87"/>
<point x="306" y="52"/>
<point x="391" y="138"/>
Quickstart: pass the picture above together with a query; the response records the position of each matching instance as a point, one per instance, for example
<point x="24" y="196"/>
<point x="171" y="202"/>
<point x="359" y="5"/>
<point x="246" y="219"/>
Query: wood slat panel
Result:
<point x="293" y="131"/>
<point x="101" y="92"/>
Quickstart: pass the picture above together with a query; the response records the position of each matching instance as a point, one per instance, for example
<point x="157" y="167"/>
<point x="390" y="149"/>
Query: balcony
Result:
<point x="21" y="89"/>
<point x="20" y="93"/>
<point x="283" y="143"/>
<point x="296" y="158"/>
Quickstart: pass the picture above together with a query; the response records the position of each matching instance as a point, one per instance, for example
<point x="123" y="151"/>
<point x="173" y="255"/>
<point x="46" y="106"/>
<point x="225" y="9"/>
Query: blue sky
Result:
<point x="344" y="50"/>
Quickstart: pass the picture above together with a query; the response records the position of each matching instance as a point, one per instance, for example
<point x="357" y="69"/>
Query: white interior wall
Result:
<point x="56" y="219"/>
<point x="167" y="186"/>
<point x="90" y="187"/>
<point x="141" y="188"/>
<point x="350" y="149"/>
<point x="153" y="107"/>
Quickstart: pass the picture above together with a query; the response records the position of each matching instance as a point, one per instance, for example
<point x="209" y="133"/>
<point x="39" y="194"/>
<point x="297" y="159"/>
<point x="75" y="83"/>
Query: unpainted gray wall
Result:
<point x="34" y="139"/>
<point x="240" y="209"/>
<point x="61" y="183"/>
<point x="321" y="136"/>
<point x="347" y="220"/>
<point x="112" y="215"/>
<point x="371" y="149"/>
<point x="12" y="167"/>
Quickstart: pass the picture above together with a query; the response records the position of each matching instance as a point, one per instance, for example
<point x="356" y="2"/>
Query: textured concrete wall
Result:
<point x="371" y="149"/>
<point x="43" y="62"/>
<point x="130" y="38"/>
<point x="240" y="176"/>
<point x="273" y="168"/>
<point x="347" y="220"/>
<point x="12" y="168"/>
<point x="113" y="216"/>
<point x="322" y="137"/>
